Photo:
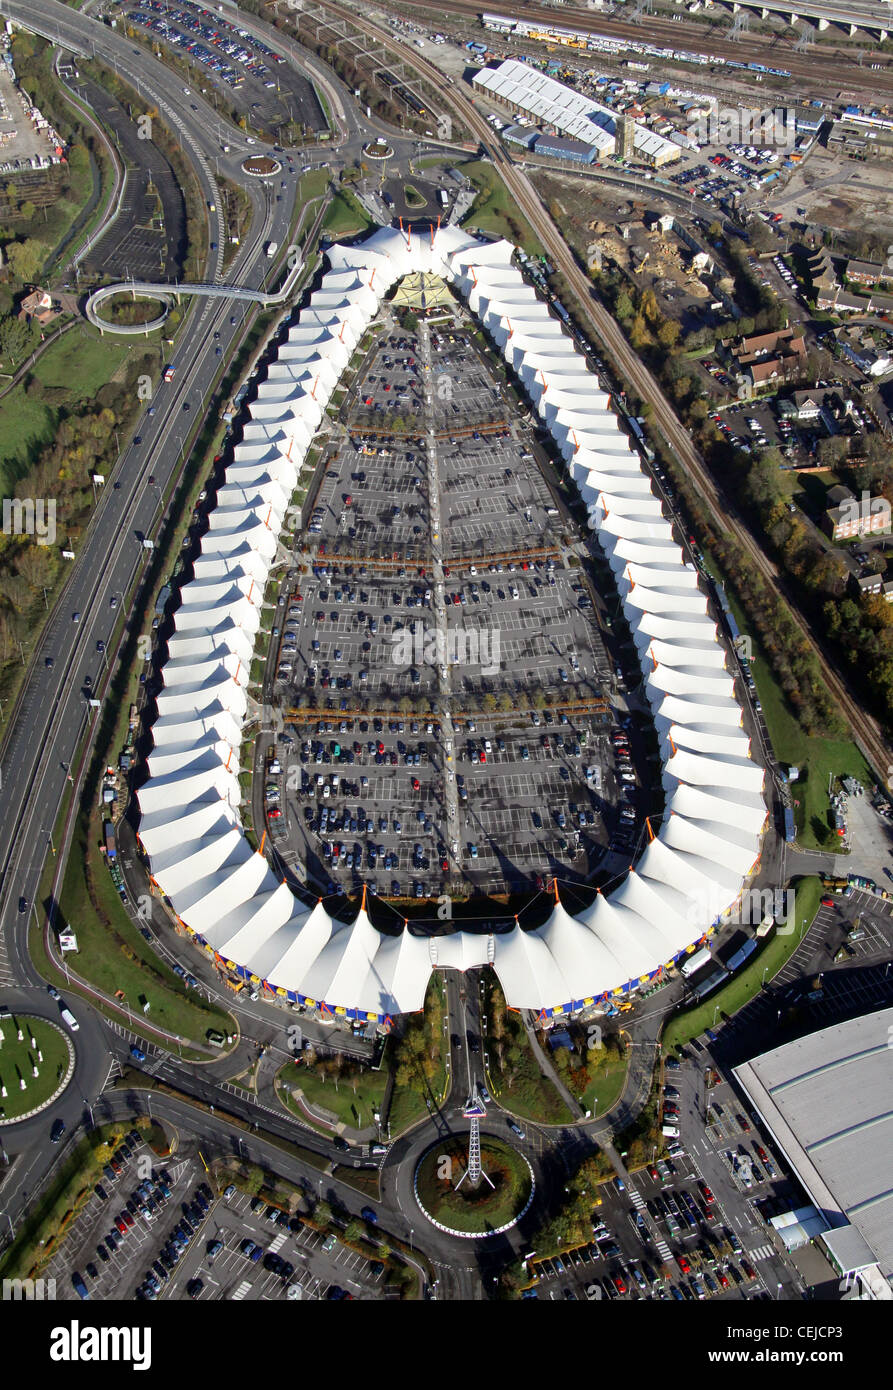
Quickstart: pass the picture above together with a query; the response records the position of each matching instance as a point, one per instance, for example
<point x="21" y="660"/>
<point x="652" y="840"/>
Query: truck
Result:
<point x="271" y="248"/>
<point x="109" y="834"/>
<point x="69" y="1019"/>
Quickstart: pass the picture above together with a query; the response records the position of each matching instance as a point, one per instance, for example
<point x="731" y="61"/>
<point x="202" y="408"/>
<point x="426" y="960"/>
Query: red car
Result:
<point x="121" y="1225"/>
<point x="380" y="746"/>
<point x="275" y="814"/>
<point x="705" y="1191"/>
<point x="445" y="865"/>
<point x="619" y="1284"/>
<point x="761" y="1153"/>
<point x="483" y="756"/>
<point x="722" y="1279"/>
<point x="827" y="902"/>
<point x="653" y="1173"/>
<point x="416" y="784"/>
<point x="683" y="1264"/>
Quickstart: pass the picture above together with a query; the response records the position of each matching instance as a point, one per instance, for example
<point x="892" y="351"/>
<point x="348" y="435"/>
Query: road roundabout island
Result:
<point x="451" y="1201"/>
<point x="37" y="1061"/>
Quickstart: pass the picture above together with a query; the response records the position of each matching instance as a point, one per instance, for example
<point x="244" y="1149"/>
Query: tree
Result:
<point x="27" y="210"/>
<point x="322" y="1213"/>
<point x="668" y="334"/>
<point x="832" y="451"/>
<point x="623" y="309"/>
<point x="25" y="259"/>
<point x="15" y="339"/>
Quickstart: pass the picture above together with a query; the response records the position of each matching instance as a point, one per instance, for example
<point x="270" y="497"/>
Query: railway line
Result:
<point x="831" y="68"/>
<point x="865" y="729"/>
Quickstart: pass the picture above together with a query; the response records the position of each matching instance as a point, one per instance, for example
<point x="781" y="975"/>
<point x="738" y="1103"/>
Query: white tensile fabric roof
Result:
<point x="229" y="896"/>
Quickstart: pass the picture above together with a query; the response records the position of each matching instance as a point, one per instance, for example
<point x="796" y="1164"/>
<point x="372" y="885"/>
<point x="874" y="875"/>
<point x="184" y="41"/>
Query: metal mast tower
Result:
<point x="475" y="1112"/>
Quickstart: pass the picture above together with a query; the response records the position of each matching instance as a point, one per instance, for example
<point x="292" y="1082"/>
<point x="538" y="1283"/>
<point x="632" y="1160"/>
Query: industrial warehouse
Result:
<point x="227" y="896"/>
<point x="827" y="1100"/>
<point x="522" y="88"/>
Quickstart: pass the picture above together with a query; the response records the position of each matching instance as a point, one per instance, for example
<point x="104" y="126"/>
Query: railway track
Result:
<point x="834" y="67"/>
<point x="866" y="730"/>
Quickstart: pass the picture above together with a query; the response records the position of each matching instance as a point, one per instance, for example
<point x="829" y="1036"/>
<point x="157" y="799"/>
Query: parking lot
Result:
<point x="237" y="65"/>
<point x="128" y="1221"/>
<point x="433" y="649"/>
<point x="294" y="1262"/>
<point x="156" y="1229"/>
<point x="661" y="1235"/>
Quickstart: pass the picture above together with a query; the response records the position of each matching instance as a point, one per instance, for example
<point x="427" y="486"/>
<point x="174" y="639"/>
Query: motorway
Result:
<point x="53" y="708"/>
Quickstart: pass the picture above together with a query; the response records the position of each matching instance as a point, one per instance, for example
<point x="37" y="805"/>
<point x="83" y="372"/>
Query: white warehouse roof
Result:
<point x="229" y="897"/>
<point x="552" y="103"/>
<point x="827" y="1098"/>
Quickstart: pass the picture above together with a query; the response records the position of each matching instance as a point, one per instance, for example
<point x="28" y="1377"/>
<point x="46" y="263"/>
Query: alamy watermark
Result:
<point x="752" y="908"/>
<point x="29" y="1290"/>
<point x="745" y="125"/>
<point x="29" y="516"/>
<point x="457" y="646"/>
<point x="865" y="513"/>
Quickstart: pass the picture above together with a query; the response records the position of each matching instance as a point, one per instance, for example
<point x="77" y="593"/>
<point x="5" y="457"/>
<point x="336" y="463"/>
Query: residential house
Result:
<point x="849" y="516"/>
<point x="865" y="272"/>
<point x="765" y="358"/>
<point x="38" y="305"/>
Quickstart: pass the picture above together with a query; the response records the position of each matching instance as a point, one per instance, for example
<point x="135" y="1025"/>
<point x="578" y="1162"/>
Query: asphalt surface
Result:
<point x="54" y="711"/>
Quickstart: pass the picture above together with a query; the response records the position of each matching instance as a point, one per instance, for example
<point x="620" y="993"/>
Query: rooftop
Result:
<point x="828" y="1100"/>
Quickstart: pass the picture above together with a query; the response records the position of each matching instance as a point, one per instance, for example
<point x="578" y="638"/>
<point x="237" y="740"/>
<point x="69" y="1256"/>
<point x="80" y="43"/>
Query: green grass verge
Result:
<point x="73" y="368"/>
<point x="351" y="1099"/>
<point x="494" y="212"/>
<point x="817" y="758"/>
<point x="513" y="1070"/>
<point x="344" y="216"/>
<point x="765" y="963"/>
<point x="113" y="956"/>
<point x="607" y="1078"/>
<point x="59" y="1205"/>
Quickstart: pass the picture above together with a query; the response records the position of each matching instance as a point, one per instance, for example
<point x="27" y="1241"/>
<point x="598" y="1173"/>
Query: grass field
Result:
<point x="113" y="956"/>
<point x="494" y="212"/>
<point x="519" y="1085"/>
<point x="817" y="758"/>
<point x="607" y="1079"/>
<point x="78" y="364"/>
<point x="344" y="216"/>
<point x="351" y="1099"/>
<point x="764" y="964"/>
<point x="17" y="1060"/>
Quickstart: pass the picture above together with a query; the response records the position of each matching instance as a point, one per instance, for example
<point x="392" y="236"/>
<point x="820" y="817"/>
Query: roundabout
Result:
<point x="261" y="166"/>
<point x="28" y="1045"/>
<point x="448" y="1199"/>
<point x="378" y="149"/>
